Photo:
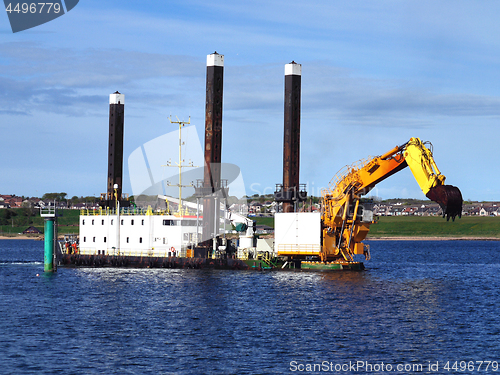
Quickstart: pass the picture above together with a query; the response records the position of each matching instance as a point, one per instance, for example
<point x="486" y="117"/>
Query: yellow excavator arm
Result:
<point x="419" y="159"/>
<point x="345" y="225"/>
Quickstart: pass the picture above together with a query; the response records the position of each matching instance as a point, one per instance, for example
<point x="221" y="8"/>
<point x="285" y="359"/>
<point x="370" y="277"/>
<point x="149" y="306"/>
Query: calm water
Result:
<point x="420" y="302"/>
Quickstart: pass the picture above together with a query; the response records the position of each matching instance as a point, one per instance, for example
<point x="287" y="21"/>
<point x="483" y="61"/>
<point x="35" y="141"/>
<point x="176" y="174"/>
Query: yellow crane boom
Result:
<point x="345" y="222"/>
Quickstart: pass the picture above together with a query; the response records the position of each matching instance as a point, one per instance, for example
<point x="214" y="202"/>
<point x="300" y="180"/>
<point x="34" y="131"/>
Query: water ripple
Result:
<point x="417" y="302"/>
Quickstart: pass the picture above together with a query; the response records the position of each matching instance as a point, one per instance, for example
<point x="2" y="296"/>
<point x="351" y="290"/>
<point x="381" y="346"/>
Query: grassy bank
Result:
<point x="16" y="220"/>
<point x="426" y="226"/>
<point x="435" y="226"/>
<point x="264" y="220"/>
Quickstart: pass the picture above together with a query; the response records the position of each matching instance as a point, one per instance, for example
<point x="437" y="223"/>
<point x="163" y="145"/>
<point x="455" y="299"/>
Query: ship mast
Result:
<point x="179" y="164"/>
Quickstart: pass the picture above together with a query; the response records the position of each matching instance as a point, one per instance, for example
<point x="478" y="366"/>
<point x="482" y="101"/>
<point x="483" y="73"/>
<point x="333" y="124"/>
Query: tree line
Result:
<point x="63" y="197"/>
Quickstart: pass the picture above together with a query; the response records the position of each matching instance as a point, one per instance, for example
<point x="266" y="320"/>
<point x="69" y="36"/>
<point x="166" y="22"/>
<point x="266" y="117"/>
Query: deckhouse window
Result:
<point x="132" y="222"/>
<point x="140" y="239"/>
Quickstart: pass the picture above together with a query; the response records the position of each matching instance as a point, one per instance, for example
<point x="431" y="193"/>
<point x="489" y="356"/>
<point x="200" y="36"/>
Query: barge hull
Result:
<point x="333" y="266"/>
<point x="81" y="260"/>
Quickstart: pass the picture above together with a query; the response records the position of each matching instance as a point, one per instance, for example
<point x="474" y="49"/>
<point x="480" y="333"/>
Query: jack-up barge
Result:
<point x="122" y="235"/>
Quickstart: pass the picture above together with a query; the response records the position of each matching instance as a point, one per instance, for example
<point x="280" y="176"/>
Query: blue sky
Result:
<point x="374" y="74"/>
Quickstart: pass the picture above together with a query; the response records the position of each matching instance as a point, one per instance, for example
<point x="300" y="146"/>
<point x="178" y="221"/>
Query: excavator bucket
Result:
<point x="449" y="198"/>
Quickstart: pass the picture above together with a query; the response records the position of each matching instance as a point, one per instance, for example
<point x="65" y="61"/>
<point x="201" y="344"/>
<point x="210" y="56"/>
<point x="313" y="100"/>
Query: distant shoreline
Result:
<point x="392" y="238"/>
<point x="22" y="237"/>
<point x="432" y="238"/>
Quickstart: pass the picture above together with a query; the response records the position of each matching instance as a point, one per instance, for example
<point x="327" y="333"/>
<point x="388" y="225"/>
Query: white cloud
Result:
<point x="76" y="81"/>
